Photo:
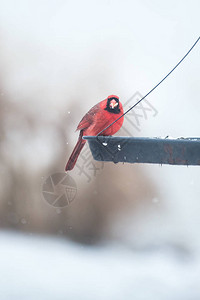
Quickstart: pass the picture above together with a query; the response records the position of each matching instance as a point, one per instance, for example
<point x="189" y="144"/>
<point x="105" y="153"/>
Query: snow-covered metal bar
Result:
<point x="180" y="151"/>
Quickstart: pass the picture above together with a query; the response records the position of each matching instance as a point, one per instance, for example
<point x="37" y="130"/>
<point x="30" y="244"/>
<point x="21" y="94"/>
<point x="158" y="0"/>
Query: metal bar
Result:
<point x="180" y="151"/>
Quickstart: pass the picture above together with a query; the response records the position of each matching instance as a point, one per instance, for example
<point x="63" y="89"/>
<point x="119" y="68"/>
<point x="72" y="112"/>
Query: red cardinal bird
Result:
<point x="96" y="119"/>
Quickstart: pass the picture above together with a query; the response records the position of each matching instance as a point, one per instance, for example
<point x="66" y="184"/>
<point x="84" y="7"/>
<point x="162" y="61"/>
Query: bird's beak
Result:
<point x="113" y="104"/>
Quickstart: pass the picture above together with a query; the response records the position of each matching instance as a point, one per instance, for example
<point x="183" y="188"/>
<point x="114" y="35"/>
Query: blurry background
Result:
<point x="132" y="230"/>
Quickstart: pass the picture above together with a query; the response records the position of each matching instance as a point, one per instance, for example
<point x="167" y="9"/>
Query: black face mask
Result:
<point x="114" y="110"/>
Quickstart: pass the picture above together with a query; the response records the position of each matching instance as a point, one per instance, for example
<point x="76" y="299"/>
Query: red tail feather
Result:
<point x="75" y="154"/>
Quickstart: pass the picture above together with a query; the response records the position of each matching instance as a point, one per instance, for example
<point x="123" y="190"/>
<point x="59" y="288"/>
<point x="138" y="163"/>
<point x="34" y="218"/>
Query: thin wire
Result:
<point x="152" y="88"/>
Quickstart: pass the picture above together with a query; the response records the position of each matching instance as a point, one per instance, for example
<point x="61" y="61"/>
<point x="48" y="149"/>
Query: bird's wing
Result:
<point x="89" y="117"/>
